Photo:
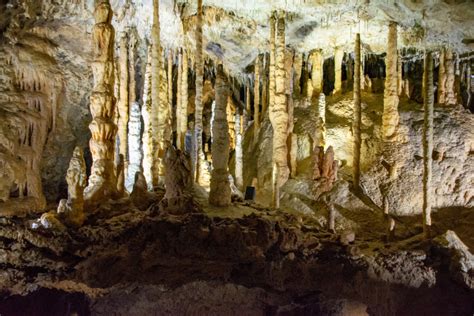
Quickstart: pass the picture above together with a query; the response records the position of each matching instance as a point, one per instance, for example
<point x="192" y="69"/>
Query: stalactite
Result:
<point x="134" y="145"/>
<point x="147" y="124"/>
<point x="319" y="139"/>
<point x="230" y="111"/>
<point x="390" y="117"/>
<point x="357" y="114"/>
<point x="279" y="116"/>
<point x="197" y="156"/>
<point x="256" y="95"/>
<point x="338" y="56"/>
<point x="428" y="100"/>
<point x="292" y="138"/>
<point x="183" y="113"/>
<point x="220" y="193"/>
<point x="123" y="102"/>
<point x="102" y="182"/>
<point x="247" y="110"/>
<point x="239" y="178"/>
<point x="468" y="83"/>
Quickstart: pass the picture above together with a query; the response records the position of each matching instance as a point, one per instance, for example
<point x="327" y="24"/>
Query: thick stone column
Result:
<point x="197" y="155"/>
<point x="338" y="56"/>
<point x="316" y="59"/>
<point x="179" y="99"/>
<point x="390" y="116"/>
<point x="102" y="182"/>
<point x="122" y="105"/>
<point x="264" y="87"/>
<point x="220" y="193"/>
<point x="428" y="100"/>
<point x="356" y="127"/>
<point x="256" y="95"/>
<point x="279" y="116"/>
<point x="451" y="97"/>
<point x="183" y="105"/>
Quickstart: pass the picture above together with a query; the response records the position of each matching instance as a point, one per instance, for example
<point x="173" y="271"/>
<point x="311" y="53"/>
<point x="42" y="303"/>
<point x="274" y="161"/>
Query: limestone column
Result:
<point x="320" y="137"/>
<point x="264" y="87"/>
<point x="147" y="128"/>
<point x="390" y="116"/>
<point x="178" y="100"/>
<point x="239" y="178"/>
<point x="102" y="182"/>
<point x="400" y="72"/>
<point x="442" y="77"/>
<point x="451" y="97"/>
<point x="338" y="56"/>
<point x="468" y="82"/>
<point x="183" y="112"/>
<point x="357" y="114"/>
<point x="197" y="155"/>
<point x="271" y="73"/>
<point x="256" y="95"/>
<point x="122" y="105"/>
<point x="220" y="193"/>
<point x="170" y="86"/>
<point x="247" y="110"/>
<point x="428" y="100"/>
<point x="132" y="82"/>
<point x="279" y="116"/>
<point x="316" y="59"/>
<point x="297" y="67"/>
<point x="134" y="145"/>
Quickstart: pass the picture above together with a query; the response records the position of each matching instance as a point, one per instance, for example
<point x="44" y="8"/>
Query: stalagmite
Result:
<point x="264" y="87"/>
<point x="450" y="93"/>
<point x="239" y="178"/>
<point x="247" y="110"/>
<point x="316" y="60"/>
<point x="134" y="145"/>
<point x="399" y="72"/>
<point x="220" y="193"/>
<point x="271" y="72"/>
<point x="178" y="110"/>
<point x="132" y="78"/>
<point x="338" y="56"/>
<point x="122" y="104"/>
<point x="256" y="95"/>
<point x="197" y="155"/>
<point x="102" y="182"/>
<point x="390" y="116"/>
<point x="357" y="114"/>
<point x="279" y="116"/>
<point x="183" y="111"/>
<point x="468" y="83"/>
<point x="442" y="77"/>
<point x="120" y="172"/>
<point x="72" y="209"/>
<point x="170" y="87"/>
<point x="319" y="139"/>
<point x="428" y="100"/>
<point x="147" y="142"/>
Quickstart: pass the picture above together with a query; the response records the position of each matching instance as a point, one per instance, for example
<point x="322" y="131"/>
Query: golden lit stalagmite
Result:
<point x="318" y="101"/>
<point x="122" y="105"/>
<point x="220" y="193"/>
<point x="182" y="127"/>
<point x="390" y="116"/>
<point x="197" y="155"/>
<point x="279" y="116"/>
<point x="256" y="95"/>
<point x="357" y="114"/>
<point x="102" y="182"/>
<point x="428" y="100"/>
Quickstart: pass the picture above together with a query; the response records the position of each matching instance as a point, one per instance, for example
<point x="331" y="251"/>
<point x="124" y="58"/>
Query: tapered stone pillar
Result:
<point x="428" y="100"/>
<point x="271" y="73"/>
<point x="338" y="56"/>
<point x="220" y="193"/>
<point x="279" y="116"/>
<point x="357" y="114"/>
<point x="264" y="87"/>
<point x="198" y="156"/>
<point x="123" y="105"/>
<point x="390" y="116"/>
<point x="239" y="178"/>
<point x="178" y="109"/>
<point x="316" y="59"/>
<point x="247" y="110"/>
<point x="297" y="67"/>
<point x="256" y="95"/>
<point x="147" y="142"/>
<point x="183" y="111"/>
<point x="102" y="181"/>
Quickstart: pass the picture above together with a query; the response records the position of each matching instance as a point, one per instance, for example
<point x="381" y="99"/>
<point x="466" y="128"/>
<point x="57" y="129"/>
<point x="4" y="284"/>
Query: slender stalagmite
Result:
<point x="102" y="182"/>
<point x="271" y="73"/>
<point x="316" y="59"/>
<point x="428" y="100"/>
<point x="468" y="82"/>
<point x="357" y="114"/>
<point x="264" y="87"/>
<point x="239" y="178"/>
<point x="256" y="95"/>
<point x="220" y="193"/>
<point x="279" y="116"/>
<point x="170" y="85"/>
<point x="132" y="82"/>
<point x="178" y="114"/>
<point x="147" y="162"/>
<point x="183" y="120"/>
<point x="134" y="145"/>
<point x="197" y="155"/>
<point x="442" y="77"/>
<point x="338" y="56"/>
<point x="122" y="105"/>
<point x="390" y="116"/>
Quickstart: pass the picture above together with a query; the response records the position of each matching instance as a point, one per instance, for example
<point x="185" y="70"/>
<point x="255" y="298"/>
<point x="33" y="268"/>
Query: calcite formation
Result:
<point x="102" y="181"/>
<point x="316" y="60"/>
<point x="198" y="156"/>
<point x="123" y="101"/>
<point x="220" y="193"/>
<point x="446" y="78"/>
<point x="338" y="56"/>
<point x="357" y="113"/>
<point x="256" y="94"/>
<point x="72" y="209"/>
<point x="134" y="145"/>
<point x="390" y="116"/>
<point x="279" y="115"/>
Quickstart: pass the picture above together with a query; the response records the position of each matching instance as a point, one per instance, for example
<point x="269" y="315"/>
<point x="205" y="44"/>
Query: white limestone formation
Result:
<point x="135" y="152"/>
